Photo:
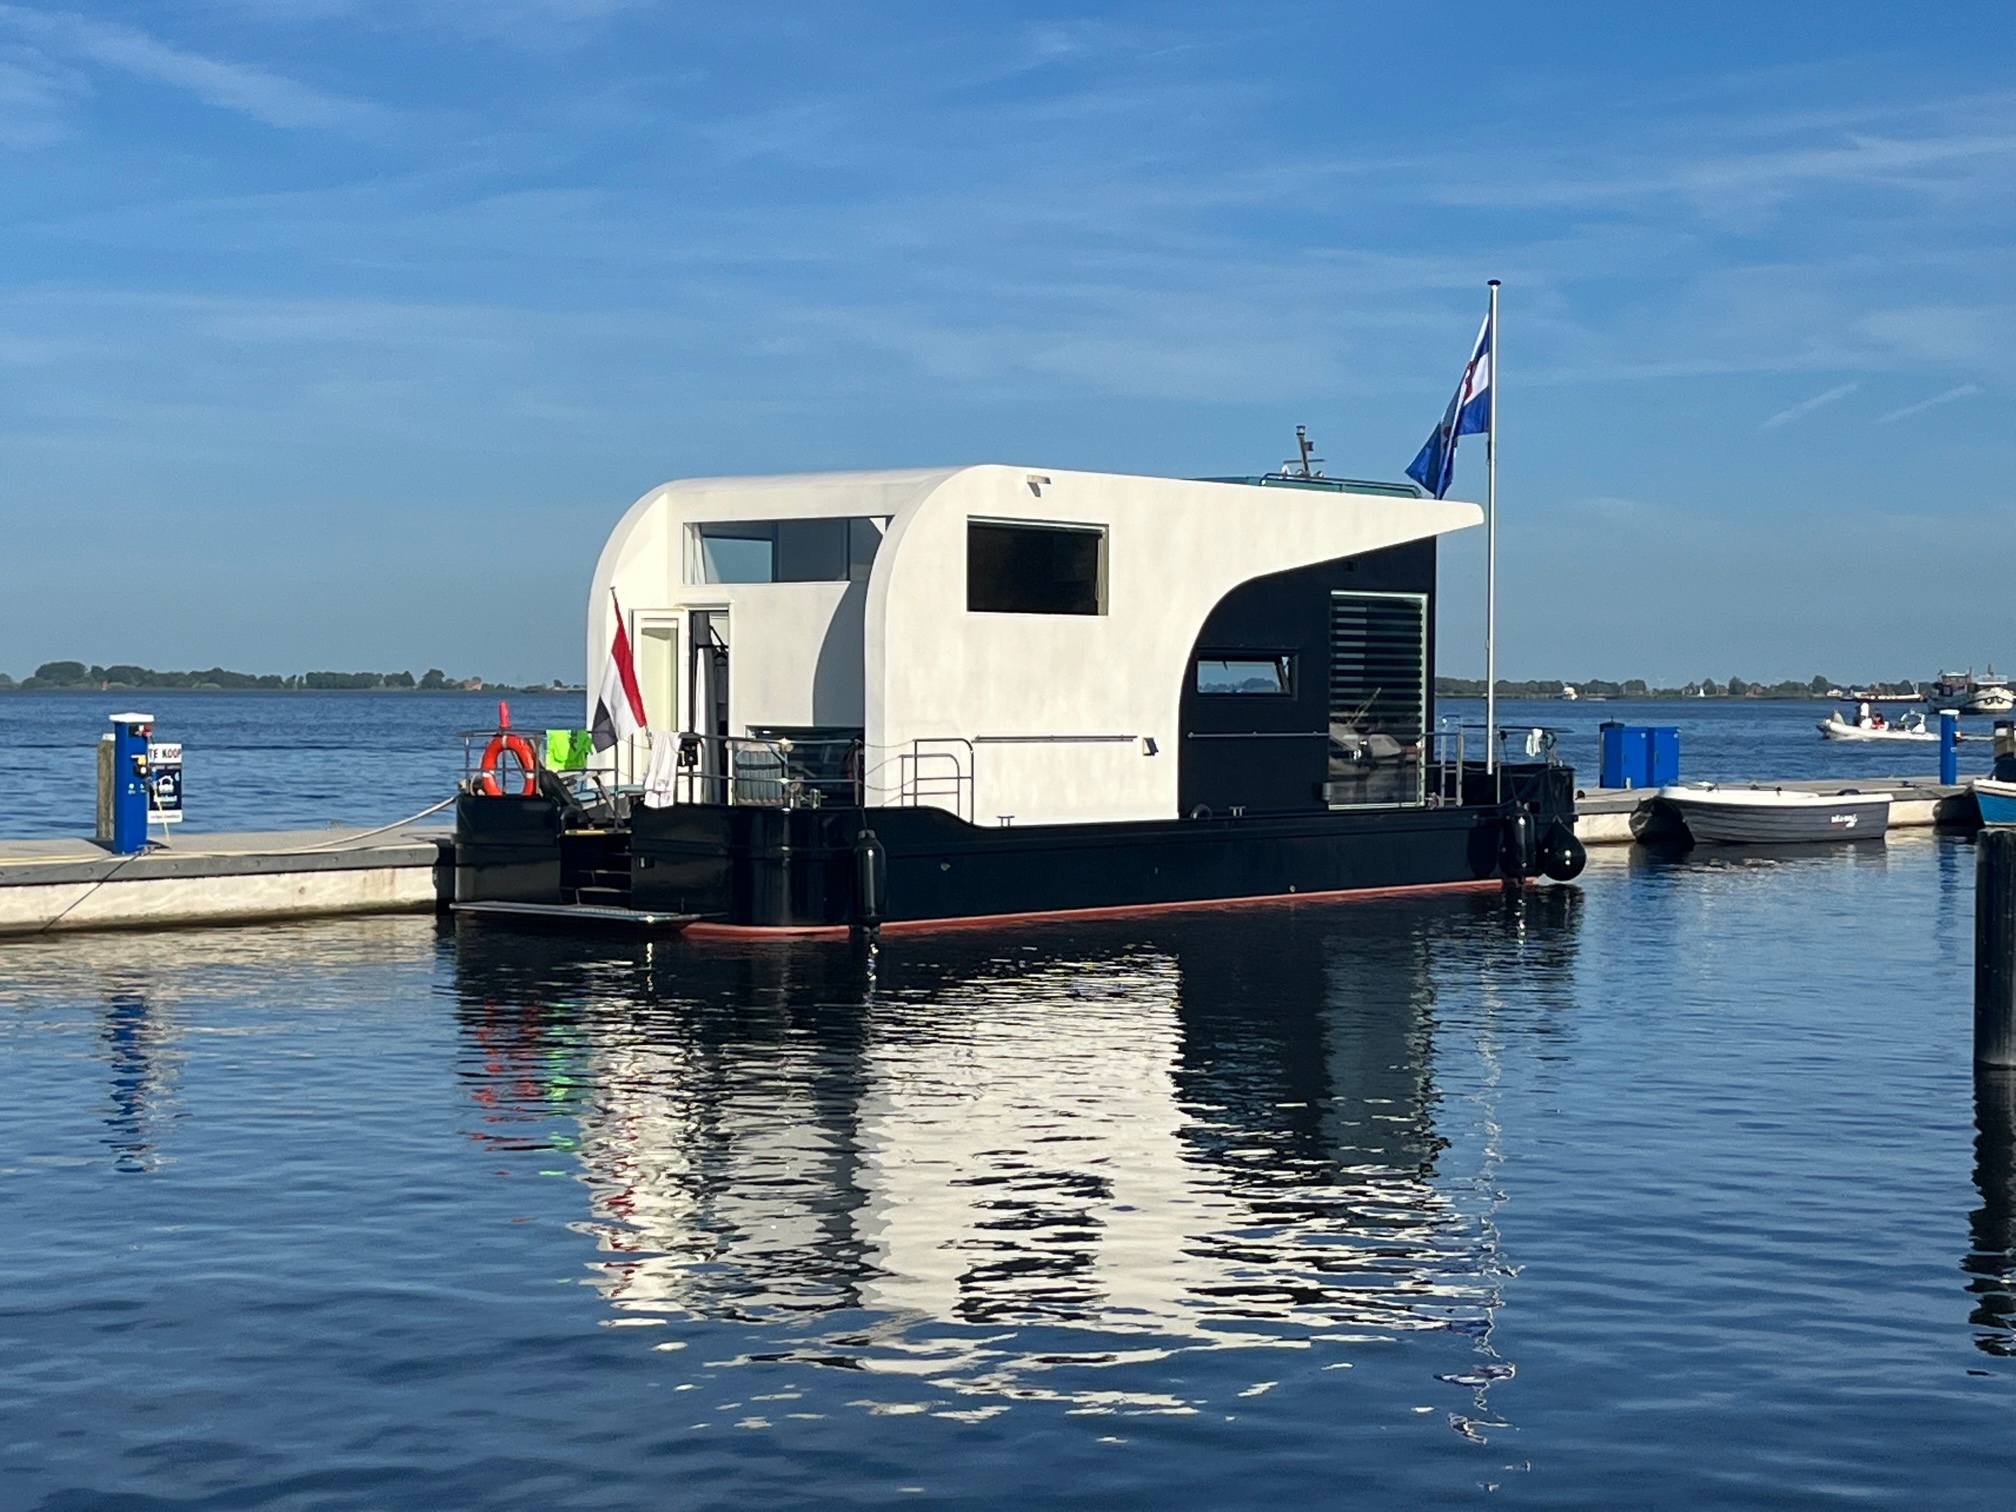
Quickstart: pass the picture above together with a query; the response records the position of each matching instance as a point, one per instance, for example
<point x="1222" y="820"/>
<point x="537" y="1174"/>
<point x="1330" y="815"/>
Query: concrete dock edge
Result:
<point x="57" y="886"/>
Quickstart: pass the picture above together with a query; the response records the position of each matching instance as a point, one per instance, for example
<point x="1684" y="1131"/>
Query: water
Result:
<point x="278" y="761"/>
<point x="256" y="761"/>
<point x="1660" y="1190"/>
<point x="1731" y="740"/>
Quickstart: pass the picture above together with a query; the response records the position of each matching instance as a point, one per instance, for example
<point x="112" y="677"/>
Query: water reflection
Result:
<point x="141" y="1051"/>
<point x="1991" y="1261"/>
<point x="995" y="1160"/>
<point x="144" y="988"/>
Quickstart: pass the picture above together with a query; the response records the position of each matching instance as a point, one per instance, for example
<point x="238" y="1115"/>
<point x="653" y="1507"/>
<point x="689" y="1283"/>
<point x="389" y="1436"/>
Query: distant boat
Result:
<point x="1871" y="726"/>
<point x="1986" y="694"/>
<point x="1992" y="695"/>
<point x="1773" y="816"/>
<point x="1568" y="693"/>
<point x="1950" y="688"/>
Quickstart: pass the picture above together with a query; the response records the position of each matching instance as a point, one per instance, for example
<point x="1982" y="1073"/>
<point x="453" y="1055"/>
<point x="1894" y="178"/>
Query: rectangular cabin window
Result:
<point x="1016" y="568"/>
<point x="1246" y="673"/>
<point x="831" y="550"/>
<point x="1378" y="699"/>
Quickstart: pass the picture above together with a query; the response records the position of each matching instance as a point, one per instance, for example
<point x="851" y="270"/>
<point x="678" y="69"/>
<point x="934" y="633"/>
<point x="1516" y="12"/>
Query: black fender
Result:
<point x="1518" y="844"/>
<point x="1562" y="856"/>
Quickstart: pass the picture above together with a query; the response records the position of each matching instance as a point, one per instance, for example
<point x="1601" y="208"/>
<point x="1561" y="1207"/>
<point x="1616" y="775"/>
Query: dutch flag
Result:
<point x="1469" y="414"/>
<point x="619" y="706"/>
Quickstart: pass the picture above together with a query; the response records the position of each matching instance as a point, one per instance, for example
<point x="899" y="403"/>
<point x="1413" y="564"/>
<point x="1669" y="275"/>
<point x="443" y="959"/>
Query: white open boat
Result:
<point x="1868" y="726"/>
<point x="1776" y="816"/>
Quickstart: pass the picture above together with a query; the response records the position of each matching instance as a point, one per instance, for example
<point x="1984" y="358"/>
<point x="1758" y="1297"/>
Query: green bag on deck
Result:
<point x="568" y="750"/>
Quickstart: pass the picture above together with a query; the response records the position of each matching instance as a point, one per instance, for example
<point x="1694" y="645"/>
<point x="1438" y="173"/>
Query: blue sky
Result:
<point x="336" y="333"/>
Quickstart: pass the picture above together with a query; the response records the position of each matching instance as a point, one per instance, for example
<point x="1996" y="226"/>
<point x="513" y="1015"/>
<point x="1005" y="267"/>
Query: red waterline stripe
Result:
<point x="1114" y="911"/>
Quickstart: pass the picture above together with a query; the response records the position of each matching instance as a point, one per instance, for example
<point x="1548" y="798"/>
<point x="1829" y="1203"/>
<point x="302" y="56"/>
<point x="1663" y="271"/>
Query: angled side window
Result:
<point x="1246" y="673"/>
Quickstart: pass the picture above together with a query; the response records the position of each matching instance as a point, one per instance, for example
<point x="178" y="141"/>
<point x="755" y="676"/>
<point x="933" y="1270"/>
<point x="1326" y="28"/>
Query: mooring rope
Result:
<point x="155" y="847"/>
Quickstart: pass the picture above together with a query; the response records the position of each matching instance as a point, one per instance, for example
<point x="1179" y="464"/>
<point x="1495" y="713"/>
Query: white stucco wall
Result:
<point x="902" y="657"/>
<point x="1174" y="549"/>
<point x="795" y="652"/>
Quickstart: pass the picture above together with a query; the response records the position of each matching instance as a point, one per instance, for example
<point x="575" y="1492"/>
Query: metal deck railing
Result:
<point x="776" y="772"/>
<point x="1455" y="768"/>
<point x="936" y="773"/>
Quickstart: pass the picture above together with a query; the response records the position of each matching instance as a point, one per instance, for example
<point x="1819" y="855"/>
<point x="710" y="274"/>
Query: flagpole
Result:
<point x="1491" y="552"/>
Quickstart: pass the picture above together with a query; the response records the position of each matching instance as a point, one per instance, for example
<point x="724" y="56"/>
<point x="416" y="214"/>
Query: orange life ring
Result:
<point x="493" y="753"/>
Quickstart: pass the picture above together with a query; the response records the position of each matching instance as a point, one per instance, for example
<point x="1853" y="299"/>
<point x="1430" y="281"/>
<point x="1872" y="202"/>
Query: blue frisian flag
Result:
<point x="1469" y="414"/>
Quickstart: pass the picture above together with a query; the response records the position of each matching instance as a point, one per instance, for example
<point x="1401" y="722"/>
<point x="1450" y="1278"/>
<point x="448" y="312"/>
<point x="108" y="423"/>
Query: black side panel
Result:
<point x="507" y="850"/>
<point x="783" y="868"/>
<point x="943" y="868"/>
<point x="1269" y="753"/>
<point x="1546" y="792"/>
<point x="745" y="865"/>
<point x="682" y="859"/>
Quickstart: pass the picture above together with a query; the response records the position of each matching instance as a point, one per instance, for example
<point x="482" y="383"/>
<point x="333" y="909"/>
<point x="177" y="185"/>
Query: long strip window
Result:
<point x="1378" y="698"/>
<point x="833" y="550"/>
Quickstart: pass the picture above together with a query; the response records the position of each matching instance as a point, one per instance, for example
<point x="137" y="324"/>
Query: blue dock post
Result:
<point x="129" y="782"/>
<point x="1949" y="748"/>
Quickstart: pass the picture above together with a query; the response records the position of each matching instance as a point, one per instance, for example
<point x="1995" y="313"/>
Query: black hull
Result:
<point x="774" y="868"/>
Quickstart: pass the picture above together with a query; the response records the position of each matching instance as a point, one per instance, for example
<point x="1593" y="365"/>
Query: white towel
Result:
<point x="661" y="776"/>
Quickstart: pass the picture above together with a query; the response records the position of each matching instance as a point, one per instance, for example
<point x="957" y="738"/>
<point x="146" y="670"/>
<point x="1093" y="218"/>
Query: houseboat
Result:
<point x="917" y="697"/>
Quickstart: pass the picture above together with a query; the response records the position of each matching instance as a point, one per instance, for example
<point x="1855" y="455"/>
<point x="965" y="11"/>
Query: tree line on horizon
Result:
<point x="1636" y="687"/>
<point x="124" y="676"/>
<point x="77" y="675"/>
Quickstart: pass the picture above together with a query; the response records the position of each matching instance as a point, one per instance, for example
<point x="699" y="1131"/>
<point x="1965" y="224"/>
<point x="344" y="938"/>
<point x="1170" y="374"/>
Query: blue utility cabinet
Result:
<point x="1638" y="756"/>
<point x="1626" y="755"/>
<point x="1665" y="753"/>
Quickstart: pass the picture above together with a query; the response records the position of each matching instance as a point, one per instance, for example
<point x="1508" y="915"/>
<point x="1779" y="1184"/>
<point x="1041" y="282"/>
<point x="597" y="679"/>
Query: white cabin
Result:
<point x="1032" y="634"/>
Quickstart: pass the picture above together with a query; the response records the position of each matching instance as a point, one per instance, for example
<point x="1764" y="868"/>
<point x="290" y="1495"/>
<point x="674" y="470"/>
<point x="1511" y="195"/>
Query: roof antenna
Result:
<point x="1298" y="466"/>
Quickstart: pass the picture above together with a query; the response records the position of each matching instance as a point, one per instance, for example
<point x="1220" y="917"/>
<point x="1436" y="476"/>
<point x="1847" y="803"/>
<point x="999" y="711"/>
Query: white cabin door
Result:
<point x="657" y="639"/>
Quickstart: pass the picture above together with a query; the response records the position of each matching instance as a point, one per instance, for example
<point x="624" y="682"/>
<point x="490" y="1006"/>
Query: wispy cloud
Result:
<point x="1962" y="391"/>
<point x="1746" y="163"/>
<point x="35" y="98"/>
<point x="245" y="88"/>
<point x="1806" y="407"/>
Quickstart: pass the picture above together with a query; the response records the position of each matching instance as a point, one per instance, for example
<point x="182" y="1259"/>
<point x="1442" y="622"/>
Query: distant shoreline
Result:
<point x="131" y="677"/>
<point x="1681" y="698"/>
<point x="489" y="689"/>
<point x="122" y="688"/>
<point x="1598" y="690"/>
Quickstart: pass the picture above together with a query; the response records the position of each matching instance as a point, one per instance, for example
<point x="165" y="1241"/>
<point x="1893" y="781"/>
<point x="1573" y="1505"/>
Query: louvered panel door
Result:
<point x="1378" y="699"/>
